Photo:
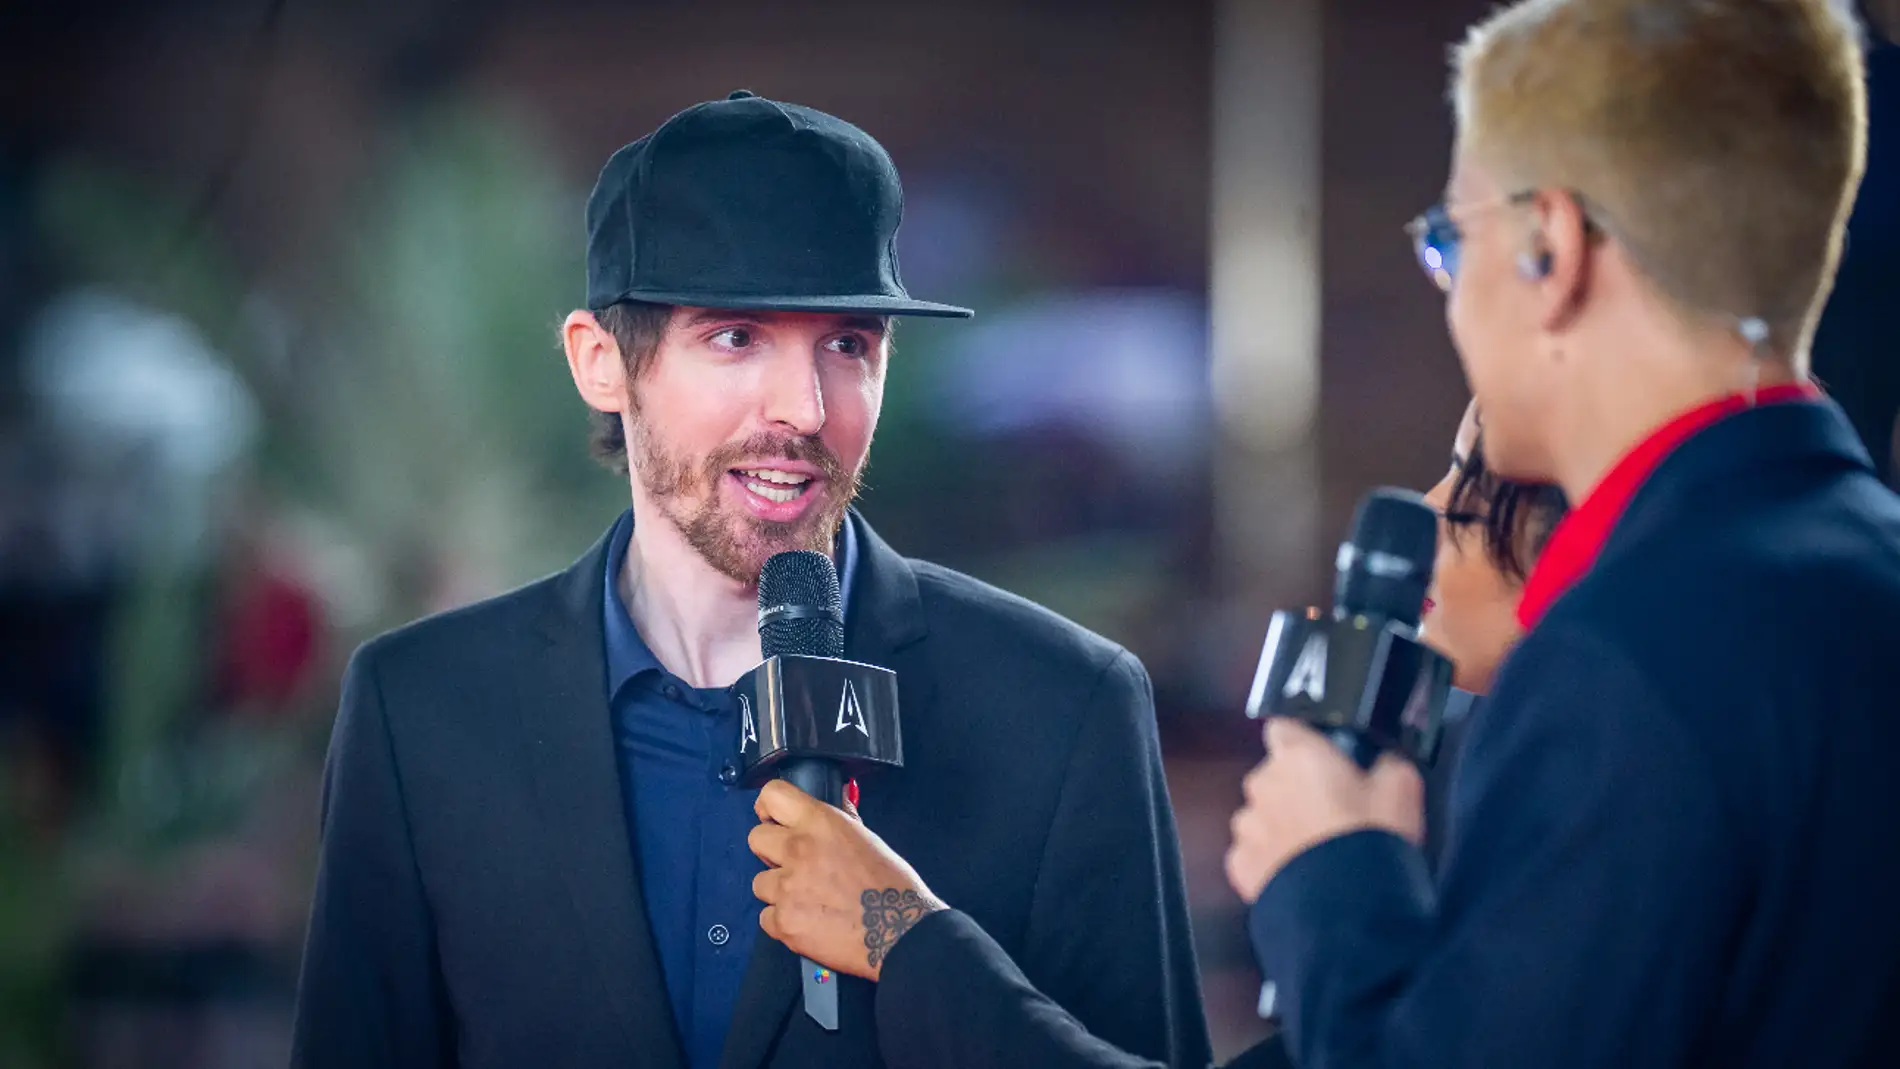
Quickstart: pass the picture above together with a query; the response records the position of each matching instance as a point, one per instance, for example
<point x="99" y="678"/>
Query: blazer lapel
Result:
<point x="884" y="619"/>
<point x="566" y="729"/>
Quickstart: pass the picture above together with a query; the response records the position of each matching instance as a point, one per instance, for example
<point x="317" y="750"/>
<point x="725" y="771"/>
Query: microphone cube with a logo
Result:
<point x="1360" y="673"/>
<point x="795" y="707"/>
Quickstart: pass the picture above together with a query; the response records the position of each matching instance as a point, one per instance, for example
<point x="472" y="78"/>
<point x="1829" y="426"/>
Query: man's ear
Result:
<point x="593" y="358"/>
<point x="1555" y="256"/>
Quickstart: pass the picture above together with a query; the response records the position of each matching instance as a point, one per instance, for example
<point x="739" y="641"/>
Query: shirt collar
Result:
<point x="628" y="655"/>
<point x="1460" y="704"/>
<point x="1578" y="538"/>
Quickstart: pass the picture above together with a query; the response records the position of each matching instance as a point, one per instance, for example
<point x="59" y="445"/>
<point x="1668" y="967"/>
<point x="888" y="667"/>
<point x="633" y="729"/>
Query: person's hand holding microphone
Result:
<point x="835" y="893"/>
<point x="1307" y="791"/>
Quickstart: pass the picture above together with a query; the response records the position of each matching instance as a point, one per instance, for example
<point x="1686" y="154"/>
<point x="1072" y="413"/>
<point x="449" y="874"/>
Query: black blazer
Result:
<point x="477" y="903"/>
<point x="951" y="998"/>
<point x="1673" y="826"/>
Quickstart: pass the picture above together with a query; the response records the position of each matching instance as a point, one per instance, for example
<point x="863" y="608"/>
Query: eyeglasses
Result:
<point x="1437" y="237"/>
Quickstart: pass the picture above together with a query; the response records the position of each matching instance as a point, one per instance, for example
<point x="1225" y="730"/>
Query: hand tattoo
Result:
<point x="888" y="914"/>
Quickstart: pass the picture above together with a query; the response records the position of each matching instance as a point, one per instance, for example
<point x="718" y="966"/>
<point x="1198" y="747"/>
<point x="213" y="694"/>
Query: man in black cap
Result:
<point x="534" y="846"/>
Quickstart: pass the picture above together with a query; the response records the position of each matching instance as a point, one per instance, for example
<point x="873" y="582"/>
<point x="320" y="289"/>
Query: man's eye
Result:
<point x="848" y="344"/>
<point x="732" y="338"/>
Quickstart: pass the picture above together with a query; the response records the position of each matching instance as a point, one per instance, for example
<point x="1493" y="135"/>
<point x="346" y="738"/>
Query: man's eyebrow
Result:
<point x="728" y="315"/>
<point x="868" y="323"/>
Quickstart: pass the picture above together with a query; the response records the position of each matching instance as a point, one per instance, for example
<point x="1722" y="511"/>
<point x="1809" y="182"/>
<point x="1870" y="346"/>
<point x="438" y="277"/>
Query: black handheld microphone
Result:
<point x="809" y="716"/>
<point x="1360" y="673"/>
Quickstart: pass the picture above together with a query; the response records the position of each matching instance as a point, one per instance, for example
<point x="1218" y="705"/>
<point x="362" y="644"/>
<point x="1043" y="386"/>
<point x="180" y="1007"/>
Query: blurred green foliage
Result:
<point x="415" y="405"/>
<point x="441" y="413"/>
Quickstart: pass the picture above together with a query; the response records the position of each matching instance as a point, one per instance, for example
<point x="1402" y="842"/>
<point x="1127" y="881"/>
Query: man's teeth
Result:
<point x="773" y="475"/>
<point x="772" y="485"/>
<point x="774" y="493"/>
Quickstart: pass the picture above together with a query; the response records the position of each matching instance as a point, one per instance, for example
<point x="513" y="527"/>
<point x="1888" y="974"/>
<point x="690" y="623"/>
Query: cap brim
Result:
<point x="869" y="304"/>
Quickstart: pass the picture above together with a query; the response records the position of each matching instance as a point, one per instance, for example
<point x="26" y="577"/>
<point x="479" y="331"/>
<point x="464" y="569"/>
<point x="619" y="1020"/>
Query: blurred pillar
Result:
<point x="1264" y="305"/>
<point x="1265" y="299"/>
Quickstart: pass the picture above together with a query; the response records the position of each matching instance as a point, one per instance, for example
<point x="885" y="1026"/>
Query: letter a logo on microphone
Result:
<point x="748" y="731"/>
<point x="849" y="714"/>
<point x="1308" y="677"/>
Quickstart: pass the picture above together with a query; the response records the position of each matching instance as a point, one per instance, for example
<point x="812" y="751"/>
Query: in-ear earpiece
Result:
<point x="1533" y="265"/>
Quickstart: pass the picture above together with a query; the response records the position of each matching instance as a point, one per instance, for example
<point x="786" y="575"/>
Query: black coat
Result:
<point x="1673" y="829"/>
<point x="478" y="904"/>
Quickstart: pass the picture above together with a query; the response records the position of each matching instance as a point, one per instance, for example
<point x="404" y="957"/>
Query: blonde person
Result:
<point x="1672" y="832"/>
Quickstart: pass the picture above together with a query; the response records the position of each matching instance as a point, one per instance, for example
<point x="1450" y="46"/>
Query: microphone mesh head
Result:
<point x="807" y="582"/>
<point x="1385" y="566"/>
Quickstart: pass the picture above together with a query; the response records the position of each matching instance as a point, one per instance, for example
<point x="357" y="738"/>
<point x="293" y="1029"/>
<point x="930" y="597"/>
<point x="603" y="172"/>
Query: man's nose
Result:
<point x="795" y="396"/>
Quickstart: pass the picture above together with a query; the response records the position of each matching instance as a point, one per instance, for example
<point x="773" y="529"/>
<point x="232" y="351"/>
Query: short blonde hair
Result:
<point x="1720" y="141"/>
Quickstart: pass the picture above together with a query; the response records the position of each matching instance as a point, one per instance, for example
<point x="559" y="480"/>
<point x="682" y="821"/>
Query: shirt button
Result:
<point x="672" y="692"/>
<point x="728" y="775"/>
<point x="717" y="935"/>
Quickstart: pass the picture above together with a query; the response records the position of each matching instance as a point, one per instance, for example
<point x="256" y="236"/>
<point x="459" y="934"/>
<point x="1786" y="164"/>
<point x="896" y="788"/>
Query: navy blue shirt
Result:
<point x="677" y="750"/>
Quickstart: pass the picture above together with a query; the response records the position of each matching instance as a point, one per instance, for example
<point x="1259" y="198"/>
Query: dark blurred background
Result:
<point x="278" y="289"/>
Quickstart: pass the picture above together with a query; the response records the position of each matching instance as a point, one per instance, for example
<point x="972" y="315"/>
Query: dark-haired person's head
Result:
<point x="741" y="282"/>
<point x="1490" y="534"/>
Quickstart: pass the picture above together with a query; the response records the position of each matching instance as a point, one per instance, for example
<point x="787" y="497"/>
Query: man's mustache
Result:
<point x="805" y="450"/>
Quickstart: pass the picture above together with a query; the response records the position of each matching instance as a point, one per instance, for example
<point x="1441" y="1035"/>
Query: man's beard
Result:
<point x="735" y="544"/>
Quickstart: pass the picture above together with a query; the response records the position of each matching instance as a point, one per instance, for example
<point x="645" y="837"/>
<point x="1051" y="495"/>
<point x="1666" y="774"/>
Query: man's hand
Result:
<point x="1306" y="792"/>
<point x="835" y="893"/>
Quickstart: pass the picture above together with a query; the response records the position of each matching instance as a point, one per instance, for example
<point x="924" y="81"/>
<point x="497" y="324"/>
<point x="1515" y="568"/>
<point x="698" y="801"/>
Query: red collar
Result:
<point x="1579" y="536"/>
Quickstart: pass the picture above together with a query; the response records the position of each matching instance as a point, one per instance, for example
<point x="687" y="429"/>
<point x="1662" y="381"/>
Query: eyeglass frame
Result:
<point x="1439" y="258"/>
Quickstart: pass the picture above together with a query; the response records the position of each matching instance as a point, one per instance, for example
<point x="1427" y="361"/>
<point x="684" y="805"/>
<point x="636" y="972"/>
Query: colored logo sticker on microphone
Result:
<point x="850" y="715"/>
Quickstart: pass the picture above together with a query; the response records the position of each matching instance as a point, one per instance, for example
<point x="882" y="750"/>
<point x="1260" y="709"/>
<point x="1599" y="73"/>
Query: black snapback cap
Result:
<point x="749" y="203"/>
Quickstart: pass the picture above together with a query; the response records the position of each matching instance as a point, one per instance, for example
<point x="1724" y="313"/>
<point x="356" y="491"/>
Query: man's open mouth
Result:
<point x="772" y="484"/>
